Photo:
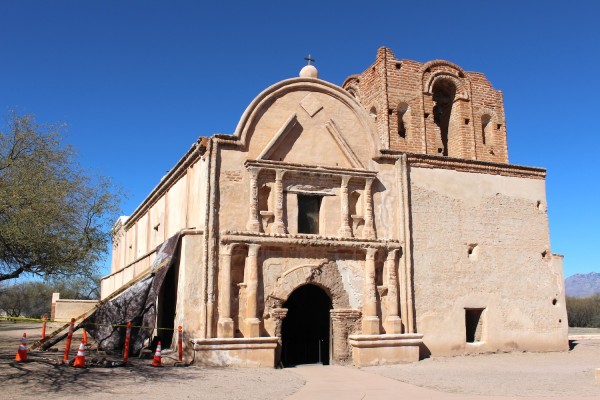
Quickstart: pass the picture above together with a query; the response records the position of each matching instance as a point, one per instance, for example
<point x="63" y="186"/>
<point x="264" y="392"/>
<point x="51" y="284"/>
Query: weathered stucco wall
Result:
<point x="65" y="309"/>
<point x="482" y="242"/>
<point x="178" y="203"/>
<point x="189" y="298"/>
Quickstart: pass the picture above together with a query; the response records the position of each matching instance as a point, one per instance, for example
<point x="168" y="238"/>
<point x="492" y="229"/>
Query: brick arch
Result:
<point x="351" y="86"/>
<point x="461" y="90"/>
<point x="487" y="111"/>
<point x="324" y="274"/>
<point x="442" y="63"/>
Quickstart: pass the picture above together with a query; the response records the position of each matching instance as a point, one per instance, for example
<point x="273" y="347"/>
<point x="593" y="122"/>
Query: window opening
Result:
<point x="402" y="120"/>
<point x="485" y="121"/>
<point x="474" y="324"/>
<point x="308" y="214"/>
<point x="443" y="96"/>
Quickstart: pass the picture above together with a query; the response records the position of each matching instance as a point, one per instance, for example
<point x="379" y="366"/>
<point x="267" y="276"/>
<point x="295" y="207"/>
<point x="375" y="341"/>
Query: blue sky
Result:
<point x="138" y="82"/>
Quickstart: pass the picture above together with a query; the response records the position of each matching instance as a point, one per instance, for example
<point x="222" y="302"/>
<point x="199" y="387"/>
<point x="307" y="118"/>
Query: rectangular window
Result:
<point x="474" y="324"/>
<point x="308" y="214"/>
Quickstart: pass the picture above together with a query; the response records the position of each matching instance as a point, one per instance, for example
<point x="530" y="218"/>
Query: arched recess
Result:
<point x="489" y="134"/>
<point x="444" y="94"/>
<point x="310" y="107"/>
<point x="326" y="276"/>
<point x="403" y="119"/>
<point x="351" y="85"/>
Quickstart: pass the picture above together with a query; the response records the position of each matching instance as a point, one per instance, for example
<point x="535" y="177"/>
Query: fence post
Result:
<point x="127" y="339"/>
<point x="69" y="338"/>
<point x="84" y="331"/>
<point x="44" y="327"/>
<point x="180" y="342"/>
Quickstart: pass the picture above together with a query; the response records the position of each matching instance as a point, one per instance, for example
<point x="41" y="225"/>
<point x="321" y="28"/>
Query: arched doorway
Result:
<point x="305" y="329"/>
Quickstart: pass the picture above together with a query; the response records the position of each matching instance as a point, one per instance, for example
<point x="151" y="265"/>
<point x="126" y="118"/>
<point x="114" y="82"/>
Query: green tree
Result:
<point x="55" y="218"/>
<point x="32" y="299"/>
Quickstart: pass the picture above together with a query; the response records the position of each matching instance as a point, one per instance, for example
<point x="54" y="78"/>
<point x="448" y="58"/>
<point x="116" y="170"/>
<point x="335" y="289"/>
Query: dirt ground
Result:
<point x="509" y="374"/>
<point x="45" y="377"/>
<point x="559" y="374"/>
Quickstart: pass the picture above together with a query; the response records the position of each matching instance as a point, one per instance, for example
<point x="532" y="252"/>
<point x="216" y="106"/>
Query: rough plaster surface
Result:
<point x="499" y="219"/>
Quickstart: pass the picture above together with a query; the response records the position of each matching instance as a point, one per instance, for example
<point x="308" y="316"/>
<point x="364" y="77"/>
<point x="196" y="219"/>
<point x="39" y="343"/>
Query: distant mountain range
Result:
<point x="582" y="285"/>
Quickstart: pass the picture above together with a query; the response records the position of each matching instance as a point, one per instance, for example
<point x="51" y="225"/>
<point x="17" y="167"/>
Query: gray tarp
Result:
<point x="136" y="304"/>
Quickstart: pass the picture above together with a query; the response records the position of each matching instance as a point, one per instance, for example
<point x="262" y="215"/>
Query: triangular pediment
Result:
<point x="314" y="144"/>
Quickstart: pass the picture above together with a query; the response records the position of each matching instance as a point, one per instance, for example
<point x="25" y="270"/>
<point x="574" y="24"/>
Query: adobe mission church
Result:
<point x="374" y="222"/>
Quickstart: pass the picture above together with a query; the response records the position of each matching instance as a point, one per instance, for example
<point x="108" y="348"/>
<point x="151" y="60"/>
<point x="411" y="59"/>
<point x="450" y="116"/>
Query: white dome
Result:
<point x="309" y="71"/>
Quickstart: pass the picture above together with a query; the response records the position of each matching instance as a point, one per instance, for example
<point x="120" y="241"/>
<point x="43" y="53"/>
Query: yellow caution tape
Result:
<point x="4" y="317"/>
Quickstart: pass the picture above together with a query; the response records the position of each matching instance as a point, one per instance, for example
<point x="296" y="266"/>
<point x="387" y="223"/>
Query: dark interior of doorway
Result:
<point x="305" y="329"/>
<point x="167" y="302"/>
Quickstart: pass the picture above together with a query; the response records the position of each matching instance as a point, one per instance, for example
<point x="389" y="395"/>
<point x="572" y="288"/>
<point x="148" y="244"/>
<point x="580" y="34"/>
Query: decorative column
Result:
<point x="345" y="229"/>
<point x="252" y="321"/>
<point x="225" y="325"/>
<point x="344" y="322"/>
<point x="393" y="323"/>
<point x="369" y="230"/>
<point x="253" y="224"/>
<point x="278" y="226"/>
<point x="278" y="314"/>
<point x="370" y="322"/>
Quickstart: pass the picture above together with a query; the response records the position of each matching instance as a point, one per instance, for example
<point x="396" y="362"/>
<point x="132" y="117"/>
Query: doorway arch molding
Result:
<point x="324" y="274"/>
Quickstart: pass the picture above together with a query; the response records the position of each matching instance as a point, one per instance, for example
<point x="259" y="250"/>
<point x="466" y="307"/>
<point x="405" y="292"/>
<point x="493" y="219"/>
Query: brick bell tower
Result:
<point x="433" y="108"/>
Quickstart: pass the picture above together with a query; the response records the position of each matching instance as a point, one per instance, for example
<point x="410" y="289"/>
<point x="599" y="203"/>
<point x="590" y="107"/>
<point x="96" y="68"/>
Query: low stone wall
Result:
<point x="63" y="309"/>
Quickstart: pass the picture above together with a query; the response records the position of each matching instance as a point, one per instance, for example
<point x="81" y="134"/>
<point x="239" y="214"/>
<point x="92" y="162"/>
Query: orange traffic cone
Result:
<point x="80" y="358"/>
<point x="22" y="352"/>
<point x="157" y="361"/>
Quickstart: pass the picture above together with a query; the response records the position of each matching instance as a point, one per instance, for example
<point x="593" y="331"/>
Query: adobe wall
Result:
<point x="178" y="202"/>
<point x="482" y="242"/>
<point x="190" y="297"/>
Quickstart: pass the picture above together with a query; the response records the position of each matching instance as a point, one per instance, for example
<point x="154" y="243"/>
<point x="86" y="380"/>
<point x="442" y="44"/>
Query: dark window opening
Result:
<point x="402" y="120"/>
<point x="473" y="324"/>
<point x="485" y="120"/>
<point x="308" y="214"/>
<point x="443" y="96"/>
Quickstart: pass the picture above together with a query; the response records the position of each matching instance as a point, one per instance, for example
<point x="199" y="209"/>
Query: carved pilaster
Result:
<point x="278" y="314"/>
<point x="393" y="323"/>
<point x="278" y="225"/>
<point x="370" y="322"/>
<point x="345" y="229"/>
<point x="253" y="224"/>
<point x="225" y="324"/>
<point x="252" y="321"/>
<point x="344" y="322"/>
<point x="369" y="230"/>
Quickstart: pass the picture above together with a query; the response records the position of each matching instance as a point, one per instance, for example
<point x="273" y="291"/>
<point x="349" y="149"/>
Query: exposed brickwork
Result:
<point x="401" y="95"/>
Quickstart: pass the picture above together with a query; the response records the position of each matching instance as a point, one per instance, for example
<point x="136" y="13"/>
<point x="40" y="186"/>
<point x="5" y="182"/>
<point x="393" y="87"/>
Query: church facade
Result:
<point x="369" y="223"/>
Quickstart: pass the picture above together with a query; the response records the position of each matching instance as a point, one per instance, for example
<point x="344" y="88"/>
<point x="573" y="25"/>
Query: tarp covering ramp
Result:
<point x="136" y="304"/>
